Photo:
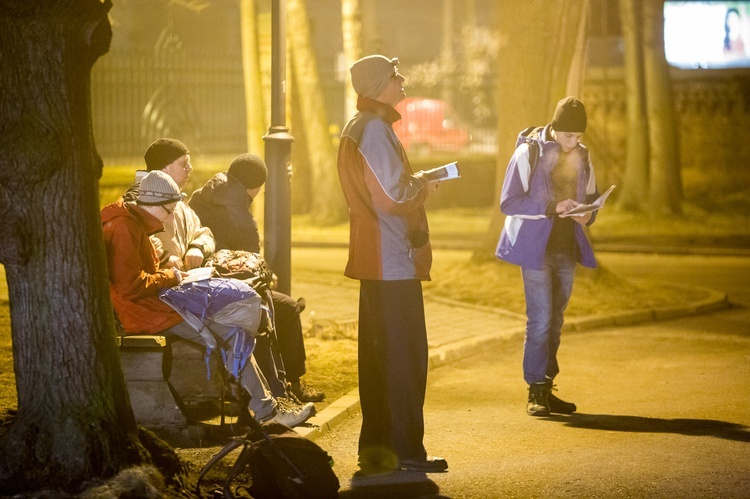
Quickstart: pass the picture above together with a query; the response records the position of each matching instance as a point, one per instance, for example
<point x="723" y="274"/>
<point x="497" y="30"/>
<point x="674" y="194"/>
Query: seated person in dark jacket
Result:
<point x="223" y="205"/>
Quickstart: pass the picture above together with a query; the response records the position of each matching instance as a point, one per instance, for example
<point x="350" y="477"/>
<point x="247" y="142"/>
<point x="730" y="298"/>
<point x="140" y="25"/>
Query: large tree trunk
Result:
<point x="634" y="194"/>
<point x="534" y="61"/>
<point x="327" y="202"/>
<point x="666" y="182"/>
<point x="74" y="420"/>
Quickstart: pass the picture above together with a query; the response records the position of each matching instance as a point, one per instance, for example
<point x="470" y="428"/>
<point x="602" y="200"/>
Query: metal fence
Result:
<point x="139" y="97"/>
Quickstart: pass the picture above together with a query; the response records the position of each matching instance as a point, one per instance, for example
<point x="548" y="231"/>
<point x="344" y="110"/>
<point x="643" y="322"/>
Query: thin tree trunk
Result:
<point x="634" y="194"/>
<point x="327" y="203"/>
<point x="574" y="85"/>
<point x="74" y="420"/>
<point x="351" y="28"/>
<point x="255" y="107"/>
<point x="665" y="181"/>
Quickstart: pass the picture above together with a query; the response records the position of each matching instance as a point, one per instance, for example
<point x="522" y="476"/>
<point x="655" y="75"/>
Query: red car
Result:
<point x="429" y="125"/>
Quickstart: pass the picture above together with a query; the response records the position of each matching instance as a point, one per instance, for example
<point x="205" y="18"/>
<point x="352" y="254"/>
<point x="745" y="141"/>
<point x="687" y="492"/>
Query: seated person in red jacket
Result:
<point x="135" y="283"/>
<point x="223" y="205"/>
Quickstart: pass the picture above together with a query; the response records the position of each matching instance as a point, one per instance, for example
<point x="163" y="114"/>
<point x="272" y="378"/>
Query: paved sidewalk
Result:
<point x="454" y="330"/>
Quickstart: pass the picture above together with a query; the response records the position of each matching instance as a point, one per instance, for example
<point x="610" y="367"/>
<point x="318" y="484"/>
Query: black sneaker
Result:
<point x="305" y="392"/>
<point x="538" y="404"/>
<point x="560" y="406"/>
<point x="427" y="464"/>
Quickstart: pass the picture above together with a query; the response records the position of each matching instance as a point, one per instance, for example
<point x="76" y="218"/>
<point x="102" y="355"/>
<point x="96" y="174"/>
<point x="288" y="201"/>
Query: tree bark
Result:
<point x="532" y="76"/>
<point x="74" y="420"/>
<point x="634" y="194"/>
<point x="327" y="204"/>
<point x="665" y="181"/>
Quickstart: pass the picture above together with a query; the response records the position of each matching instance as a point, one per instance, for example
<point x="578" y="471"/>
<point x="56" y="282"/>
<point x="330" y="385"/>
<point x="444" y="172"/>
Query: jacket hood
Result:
<point x="222" y="189"/>
<point x="120" y="209"/>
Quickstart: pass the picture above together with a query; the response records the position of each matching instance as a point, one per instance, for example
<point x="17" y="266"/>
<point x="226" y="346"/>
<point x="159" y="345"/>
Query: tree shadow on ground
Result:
<point x="639" y="424"/>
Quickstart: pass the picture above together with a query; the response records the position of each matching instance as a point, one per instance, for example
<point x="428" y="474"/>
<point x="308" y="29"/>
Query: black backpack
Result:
<point x="282" y="464"/>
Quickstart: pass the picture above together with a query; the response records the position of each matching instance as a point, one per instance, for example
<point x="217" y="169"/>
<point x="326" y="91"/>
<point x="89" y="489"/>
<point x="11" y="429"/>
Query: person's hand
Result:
<point x="583" y="219"/>
<point x="174" y="262"/>
<point x="193" y="258"/>
<point x="180" y="275"/>
<point x="430" y="186"/>
<point x="565" y="206"/>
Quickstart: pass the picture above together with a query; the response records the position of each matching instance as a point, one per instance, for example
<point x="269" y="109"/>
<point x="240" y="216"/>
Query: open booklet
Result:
<point x="198" y="274"/>
<point x="445" y="172"/>
<point x="582" y="209"/>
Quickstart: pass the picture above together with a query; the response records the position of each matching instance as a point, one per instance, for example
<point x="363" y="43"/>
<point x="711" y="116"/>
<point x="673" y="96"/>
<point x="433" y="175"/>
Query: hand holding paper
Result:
<point x="445" y="172"/>
<point x="582" y="209"/>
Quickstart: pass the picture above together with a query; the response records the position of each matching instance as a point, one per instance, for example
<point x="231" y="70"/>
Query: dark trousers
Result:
<point x="392" y="367"/>
<point x="282" y="357"/>
<point x="289" y="335"/>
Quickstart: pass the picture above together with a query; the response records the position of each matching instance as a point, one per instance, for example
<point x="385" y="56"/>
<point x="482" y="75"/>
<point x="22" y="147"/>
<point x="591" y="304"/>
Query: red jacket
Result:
<point x="389" y="236"/>
<point x="134" y="281"/>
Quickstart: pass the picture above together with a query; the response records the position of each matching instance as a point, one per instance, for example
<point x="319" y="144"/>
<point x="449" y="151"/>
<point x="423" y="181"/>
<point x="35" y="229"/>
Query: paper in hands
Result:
<point x="198" y="274"/>
<point x="445" y="172"/>
<point x="582" y="209"/>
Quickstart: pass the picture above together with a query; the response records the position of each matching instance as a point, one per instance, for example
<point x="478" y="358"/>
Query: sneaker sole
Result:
<point x="537" y="413"/>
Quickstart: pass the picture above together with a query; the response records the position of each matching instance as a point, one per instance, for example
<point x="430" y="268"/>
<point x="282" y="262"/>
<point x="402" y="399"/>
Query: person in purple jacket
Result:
<point x="544" y="242"/>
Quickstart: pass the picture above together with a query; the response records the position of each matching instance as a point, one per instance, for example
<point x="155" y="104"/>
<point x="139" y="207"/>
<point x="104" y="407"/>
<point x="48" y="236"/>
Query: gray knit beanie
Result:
<point x="570" y="116"/>
<point x="370" y="75"/>
<point x="157" y="188"/>
<point x="163" y="152"/>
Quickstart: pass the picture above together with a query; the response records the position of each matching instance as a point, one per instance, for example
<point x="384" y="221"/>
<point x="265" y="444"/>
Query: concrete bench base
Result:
<point x="170" y="392"/>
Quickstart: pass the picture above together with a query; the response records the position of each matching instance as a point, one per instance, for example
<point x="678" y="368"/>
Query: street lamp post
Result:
<point x="278" y="219"/>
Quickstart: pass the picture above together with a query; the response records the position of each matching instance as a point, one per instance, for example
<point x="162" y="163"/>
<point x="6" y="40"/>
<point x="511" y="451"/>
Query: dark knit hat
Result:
<point x="157" y="188"/>
<point x="570" y="116"/>
<point x="249" y="170"/>
<point x="163" y="152"/>
<point x="370" y="75"/>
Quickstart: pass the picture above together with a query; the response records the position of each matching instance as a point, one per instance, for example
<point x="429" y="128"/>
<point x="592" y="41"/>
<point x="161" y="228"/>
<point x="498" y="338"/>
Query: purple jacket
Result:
<point x="525" y="199"/>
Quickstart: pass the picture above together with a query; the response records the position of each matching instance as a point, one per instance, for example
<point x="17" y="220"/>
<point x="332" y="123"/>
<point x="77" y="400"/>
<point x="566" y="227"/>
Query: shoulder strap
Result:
<point x="533" y="155"/>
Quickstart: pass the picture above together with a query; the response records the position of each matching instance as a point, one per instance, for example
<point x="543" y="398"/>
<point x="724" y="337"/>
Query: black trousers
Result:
<point x="282" y="358"/>
<point x="392" y="367"/>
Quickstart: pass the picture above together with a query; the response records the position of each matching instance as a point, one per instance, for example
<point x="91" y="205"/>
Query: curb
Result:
<point x="348" y="405"/>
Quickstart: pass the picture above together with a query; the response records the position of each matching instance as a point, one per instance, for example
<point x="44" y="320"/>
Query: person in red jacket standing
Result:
<point x="390" y="254"/>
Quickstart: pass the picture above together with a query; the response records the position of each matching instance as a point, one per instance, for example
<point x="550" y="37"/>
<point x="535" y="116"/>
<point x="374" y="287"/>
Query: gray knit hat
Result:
<point x="163" y="152"/>
<point x="370" y="75"/>
<point x="249" y="170"/>
<point x="570" y="116"/>
<point x="157" y="188"/>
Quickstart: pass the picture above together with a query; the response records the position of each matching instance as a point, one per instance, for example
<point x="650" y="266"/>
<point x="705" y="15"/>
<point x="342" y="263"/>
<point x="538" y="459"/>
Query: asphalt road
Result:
<point x="664" y="409"/>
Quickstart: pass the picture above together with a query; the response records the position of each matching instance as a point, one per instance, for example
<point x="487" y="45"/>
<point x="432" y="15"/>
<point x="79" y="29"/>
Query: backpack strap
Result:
<point x="533" y="155"/>
<point x="529" y="136"/>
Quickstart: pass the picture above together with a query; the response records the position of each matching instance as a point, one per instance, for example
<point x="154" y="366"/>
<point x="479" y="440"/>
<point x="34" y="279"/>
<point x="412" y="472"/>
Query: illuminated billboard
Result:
<point x="707" y="34"/>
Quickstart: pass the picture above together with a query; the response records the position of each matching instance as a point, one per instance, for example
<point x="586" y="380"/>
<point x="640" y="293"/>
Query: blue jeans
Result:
<point x="547" y="293"/>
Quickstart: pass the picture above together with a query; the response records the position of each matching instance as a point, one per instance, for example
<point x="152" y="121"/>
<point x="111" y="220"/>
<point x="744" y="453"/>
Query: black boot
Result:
<point x="538" y="404"/>
<point x="559" y="406"/>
